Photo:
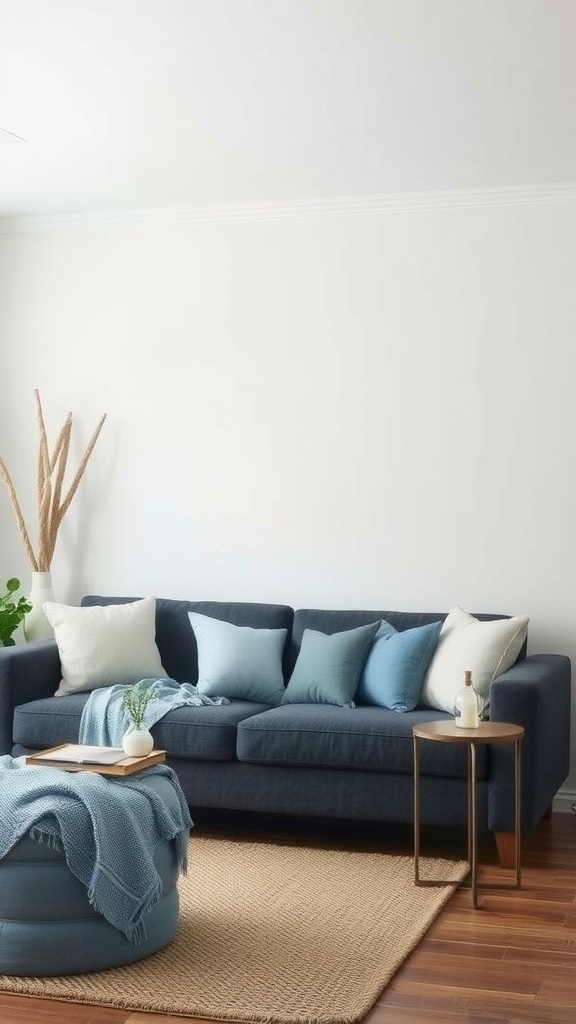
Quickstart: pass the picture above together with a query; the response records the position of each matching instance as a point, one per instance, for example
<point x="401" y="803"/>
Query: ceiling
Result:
<point x="131" y="104"/>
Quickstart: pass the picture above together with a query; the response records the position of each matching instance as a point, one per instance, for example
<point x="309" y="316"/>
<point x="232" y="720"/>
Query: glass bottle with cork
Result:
<point x="468" y="705"/>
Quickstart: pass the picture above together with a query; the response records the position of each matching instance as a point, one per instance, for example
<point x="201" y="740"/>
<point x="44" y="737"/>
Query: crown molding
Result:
<point x="340" y="206"/>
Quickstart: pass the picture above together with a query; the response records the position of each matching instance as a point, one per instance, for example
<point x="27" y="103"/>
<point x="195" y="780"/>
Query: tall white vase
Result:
<point x="36" y="625"/>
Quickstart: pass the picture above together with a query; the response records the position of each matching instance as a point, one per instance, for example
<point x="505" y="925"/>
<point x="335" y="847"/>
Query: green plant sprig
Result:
<point x="11" y="612"/>
<point x="135" y="702"/>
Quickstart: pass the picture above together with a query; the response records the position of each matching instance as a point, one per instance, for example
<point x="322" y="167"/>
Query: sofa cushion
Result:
<point x="329" y="666"/>
<point x="206" y="733"/>
<point x="327" y="736"/>
<point x="48" y="722"/>
<point x="396" y="666"/>
<point x="103" y="646"/>
<point x="175" y="639"/>
<point x="238" y="661"/>
<point x="202" y="733"/>
<point x="487" y="649"/>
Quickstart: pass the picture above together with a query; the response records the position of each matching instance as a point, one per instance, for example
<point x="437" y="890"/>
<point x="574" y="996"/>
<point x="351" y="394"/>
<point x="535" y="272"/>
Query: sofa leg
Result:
<point x="547" y="812"/>
<point x="506" y="846"/>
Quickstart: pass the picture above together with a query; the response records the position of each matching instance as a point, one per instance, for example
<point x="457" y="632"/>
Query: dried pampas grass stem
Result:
<point x="51" y="504"/>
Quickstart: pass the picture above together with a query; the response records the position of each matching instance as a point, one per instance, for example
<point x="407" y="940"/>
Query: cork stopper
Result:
<point x="467" y="678"/>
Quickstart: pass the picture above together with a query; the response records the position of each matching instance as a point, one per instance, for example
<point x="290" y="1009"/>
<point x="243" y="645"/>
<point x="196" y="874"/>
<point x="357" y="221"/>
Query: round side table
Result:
<point x="487" y="732"/>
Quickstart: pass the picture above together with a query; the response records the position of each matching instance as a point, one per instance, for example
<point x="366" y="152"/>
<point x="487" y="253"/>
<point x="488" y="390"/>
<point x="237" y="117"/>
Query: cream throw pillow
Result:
<point x="486" y="648"/>
<point x="105" y="644"/>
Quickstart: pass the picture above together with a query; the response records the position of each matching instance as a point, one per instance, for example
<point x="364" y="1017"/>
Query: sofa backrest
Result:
<point x="174" y="634"/>
<point x="177" y="645"/>
<point x="333" y="621"/>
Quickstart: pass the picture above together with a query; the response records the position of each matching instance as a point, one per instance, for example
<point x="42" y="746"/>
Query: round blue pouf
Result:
<point x="48" y="927"/>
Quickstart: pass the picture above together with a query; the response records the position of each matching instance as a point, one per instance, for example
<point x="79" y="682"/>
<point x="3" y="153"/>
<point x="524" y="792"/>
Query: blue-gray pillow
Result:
<point x="329" y="666"/>
<point x="395" y="668"/>
<point x="238" y="661"/>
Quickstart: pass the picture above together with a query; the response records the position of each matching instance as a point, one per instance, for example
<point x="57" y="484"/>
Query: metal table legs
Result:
<point x="472" y="829"/>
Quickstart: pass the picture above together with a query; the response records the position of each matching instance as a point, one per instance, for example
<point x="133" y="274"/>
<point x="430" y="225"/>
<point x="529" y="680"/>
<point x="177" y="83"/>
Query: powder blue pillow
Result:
<point x="238" y="661"/>
<point x="328" y="667"/>
<point x="394" y="672"/>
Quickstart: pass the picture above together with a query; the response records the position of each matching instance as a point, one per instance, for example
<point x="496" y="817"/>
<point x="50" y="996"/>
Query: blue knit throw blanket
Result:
<point x="104" y="721"/>
<point x="108" y="840"/>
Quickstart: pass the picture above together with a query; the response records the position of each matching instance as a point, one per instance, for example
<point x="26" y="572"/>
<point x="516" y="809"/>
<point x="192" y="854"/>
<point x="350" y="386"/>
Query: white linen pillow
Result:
<point x="487" y="649"/>
<point x="102" y="645"/>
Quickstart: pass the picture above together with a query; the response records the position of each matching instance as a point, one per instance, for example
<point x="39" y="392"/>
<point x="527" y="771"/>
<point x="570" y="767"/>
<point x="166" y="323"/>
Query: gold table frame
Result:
<point x="486" y="732"/>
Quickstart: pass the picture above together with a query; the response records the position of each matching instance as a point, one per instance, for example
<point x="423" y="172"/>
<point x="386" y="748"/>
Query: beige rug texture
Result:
<point x="273" y="933"/>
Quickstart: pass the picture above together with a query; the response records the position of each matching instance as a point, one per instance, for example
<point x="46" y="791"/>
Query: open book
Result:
<point x="78" y="753"/>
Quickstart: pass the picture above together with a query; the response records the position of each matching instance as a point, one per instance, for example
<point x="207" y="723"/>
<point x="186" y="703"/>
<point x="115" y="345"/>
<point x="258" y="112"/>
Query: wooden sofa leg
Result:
<point x="506" y="846"/>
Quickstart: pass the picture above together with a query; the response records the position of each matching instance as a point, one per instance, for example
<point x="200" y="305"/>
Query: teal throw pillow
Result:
<point x="238" y="662"/>
<point x="329" y="666"/>
<point x="395" y="668"/>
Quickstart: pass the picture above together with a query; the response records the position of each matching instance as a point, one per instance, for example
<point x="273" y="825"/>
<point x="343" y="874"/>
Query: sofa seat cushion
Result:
<point x="363" y="738"/>
<point x="206" y="733"/>
<point x="47" y="722"/>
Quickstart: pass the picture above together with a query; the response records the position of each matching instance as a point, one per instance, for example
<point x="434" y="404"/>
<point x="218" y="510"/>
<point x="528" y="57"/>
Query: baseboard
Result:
<point x="563" y="801"/>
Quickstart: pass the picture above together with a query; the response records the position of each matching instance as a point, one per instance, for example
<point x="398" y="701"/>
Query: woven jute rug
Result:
<point x="273" y="933"/>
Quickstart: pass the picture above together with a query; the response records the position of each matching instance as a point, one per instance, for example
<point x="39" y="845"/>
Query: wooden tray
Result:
<point x="127" y="766"/>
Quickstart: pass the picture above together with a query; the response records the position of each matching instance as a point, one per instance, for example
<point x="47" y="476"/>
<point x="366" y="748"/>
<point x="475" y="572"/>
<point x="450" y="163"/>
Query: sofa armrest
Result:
<point x="27" y="672"/>
<point x="536" y="694"/>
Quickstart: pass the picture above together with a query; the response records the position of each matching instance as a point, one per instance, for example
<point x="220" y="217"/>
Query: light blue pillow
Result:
<point x="238" y="661"/>
<point x="328" y="667"/>
<point x="394" y="672"/>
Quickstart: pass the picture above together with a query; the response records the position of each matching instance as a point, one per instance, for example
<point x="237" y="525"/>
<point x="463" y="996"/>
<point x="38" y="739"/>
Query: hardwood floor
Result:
<point x="512" y="961"/>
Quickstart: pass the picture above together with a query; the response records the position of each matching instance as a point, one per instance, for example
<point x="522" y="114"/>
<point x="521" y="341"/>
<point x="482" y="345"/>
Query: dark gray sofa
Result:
<point x="315" y="759"/>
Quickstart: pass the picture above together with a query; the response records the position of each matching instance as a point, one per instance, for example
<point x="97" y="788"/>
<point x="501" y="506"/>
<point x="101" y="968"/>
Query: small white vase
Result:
<point x="35" y="624"/>
<point x="137" y="742"/>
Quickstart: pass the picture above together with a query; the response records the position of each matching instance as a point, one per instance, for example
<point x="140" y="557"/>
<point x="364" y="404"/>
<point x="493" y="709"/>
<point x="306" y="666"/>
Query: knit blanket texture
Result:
<point x="108" y="839"/>
<point x="104" y="720"/>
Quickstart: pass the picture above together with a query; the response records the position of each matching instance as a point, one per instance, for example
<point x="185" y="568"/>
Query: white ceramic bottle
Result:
<point x="467" y="705"/>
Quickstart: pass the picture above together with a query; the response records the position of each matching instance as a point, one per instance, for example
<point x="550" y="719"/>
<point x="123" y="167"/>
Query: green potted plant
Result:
<point x="11" y="612"/>
<point x="137" y="741"/>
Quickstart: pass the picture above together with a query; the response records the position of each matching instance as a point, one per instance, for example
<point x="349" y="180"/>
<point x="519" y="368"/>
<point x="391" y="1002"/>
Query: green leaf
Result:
<point x="11" y="613"/>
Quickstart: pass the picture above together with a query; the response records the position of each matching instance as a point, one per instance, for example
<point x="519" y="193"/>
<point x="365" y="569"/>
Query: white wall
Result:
<point x="182" y="102"/>
<point x="344" y="411"/>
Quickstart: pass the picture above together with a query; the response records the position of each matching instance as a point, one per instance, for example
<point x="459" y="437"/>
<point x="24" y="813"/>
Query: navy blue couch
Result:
<point x="315" y="759"/>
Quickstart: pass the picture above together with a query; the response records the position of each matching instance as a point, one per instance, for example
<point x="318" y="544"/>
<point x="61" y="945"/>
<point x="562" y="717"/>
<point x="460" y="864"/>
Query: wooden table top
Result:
<point x="486" y="732"/>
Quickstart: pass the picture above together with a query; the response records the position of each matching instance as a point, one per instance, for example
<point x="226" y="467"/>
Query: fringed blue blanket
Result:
<point x="108" y="840"/>
<point x="104" y="721"/>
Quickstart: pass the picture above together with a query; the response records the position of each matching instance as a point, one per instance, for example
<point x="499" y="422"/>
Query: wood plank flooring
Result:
<point x="512" y="961"/>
